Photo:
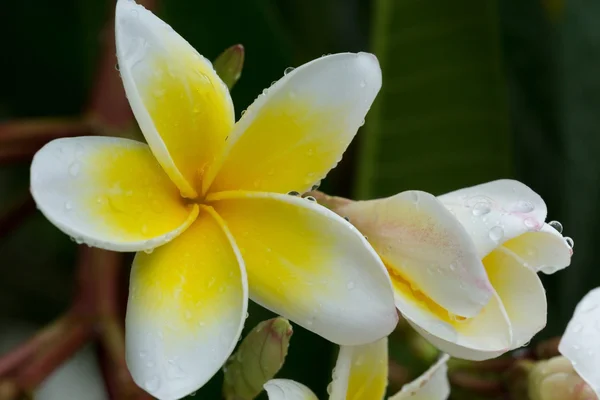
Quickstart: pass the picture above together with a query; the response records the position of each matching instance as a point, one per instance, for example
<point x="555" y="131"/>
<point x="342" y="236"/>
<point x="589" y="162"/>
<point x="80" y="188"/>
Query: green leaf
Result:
<point x="441" y="120"/>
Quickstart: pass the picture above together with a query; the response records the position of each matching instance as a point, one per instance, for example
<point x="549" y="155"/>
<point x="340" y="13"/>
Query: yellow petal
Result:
<point x="432" y="385"/>
<point x="521" y="293"/>
<point x="187" y="305"/>
<point x="181" y="105"/>
<point x="309" y="265"/>
<point x="109" y="193"/>
<point x="361" y="372"/>
<point x="298" y="130"/>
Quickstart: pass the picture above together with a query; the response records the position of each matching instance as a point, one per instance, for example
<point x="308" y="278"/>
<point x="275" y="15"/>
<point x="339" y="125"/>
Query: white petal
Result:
<point x="432" y="385"/>
<point x="581" y="341"/>
<point x="485" y="336"/>
<point x="309" y="265"/>
<point x="285" y="389"/>
<point x="109" y="193"/>
<point x="421" y="241"/>
<point x="497" y="211"/>
<point x="187" y="306"/>
<point x="521" y="292"/>
<point x="297" y="131"/>
<point x="361" y="372"/>
<point x="183" y="108"/>
<point x="545" y="250"/>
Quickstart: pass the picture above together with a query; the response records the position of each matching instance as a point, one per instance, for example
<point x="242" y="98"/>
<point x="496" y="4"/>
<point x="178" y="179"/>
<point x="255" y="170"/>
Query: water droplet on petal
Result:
<point x="68" y="206"/>
<point x="150" y="364"/>
<point x="74" y="169"/>
<point x="363" y="84"/>
<point x="315" y="187"/>
<point x="310" y="198"/>
<point x="531" y="224"/>
<point x="570" y="242"/>
<point x="481" y="208"/>
<point x="294" y="193"/>
<point x="496" y="233"/>
<point x="577" y="328"/>
<point x="144" y="229"/>
<point x="523" y="206"/>
<point x="556" y="225"/>
<point x="152" y="384"/>
<point x="350" y="285"/>
<point x="288" y="70"/>
<point x="148" y="251"/>
<point x="142" y="354"/>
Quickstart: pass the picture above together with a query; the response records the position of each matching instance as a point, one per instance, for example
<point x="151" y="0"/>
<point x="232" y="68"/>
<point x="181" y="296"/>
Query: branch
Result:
<point x="16" y="214"/>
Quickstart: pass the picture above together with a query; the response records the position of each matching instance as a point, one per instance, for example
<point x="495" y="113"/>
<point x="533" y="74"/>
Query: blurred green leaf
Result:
<point x="441" y="119"/>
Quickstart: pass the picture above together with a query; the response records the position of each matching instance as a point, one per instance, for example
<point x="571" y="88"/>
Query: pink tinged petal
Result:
<point x="581" y="341"/>
<point x="521" y="292"/>
<point x="546" y="250"/>
<point x="432" y="385"/>
<point x="496" y="212"/>
<point x="421" y="241"/>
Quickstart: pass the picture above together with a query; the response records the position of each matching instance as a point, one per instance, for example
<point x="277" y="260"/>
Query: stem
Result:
<point x="40" y="131"/>
<point x="15" y="215"/>
<point x="476" y="384"/>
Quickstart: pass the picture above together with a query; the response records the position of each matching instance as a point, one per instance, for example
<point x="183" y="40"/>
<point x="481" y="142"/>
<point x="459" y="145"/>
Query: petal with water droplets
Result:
<point x="109" y="193"/>
<point x="422" y="243"/>
<point x="580" y="342"/>
<point x="294" y="133"/>
<point x="361" y="372"/>
<point x="182" y="106"/>
<point x="545" y="250"/>
<point x="186" y="309"/>
<point x="432" y="385"/>
<point x="497" y="211"/>
<point x="309" y="265"/>
<point x="286" y="389"/>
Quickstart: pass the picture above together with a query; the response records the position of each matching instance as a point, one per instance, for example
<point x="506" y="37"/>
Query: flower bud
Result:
<point x="555" y="379"/>
<point x="259" y="357"/>
<point x="229" y="65"/>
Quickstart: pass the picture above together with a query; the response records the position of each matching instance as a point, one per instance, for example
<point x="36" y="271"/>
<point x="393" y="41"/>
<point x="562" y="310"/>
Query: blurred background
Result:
<point x="474" y="90"/>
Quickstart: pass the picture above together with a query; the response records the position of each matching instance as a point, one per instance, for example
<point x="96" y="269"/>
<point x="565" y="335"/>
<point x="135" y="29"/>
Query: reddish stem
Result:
<point x="476" y="384"/>
<point x="16" y="214"/>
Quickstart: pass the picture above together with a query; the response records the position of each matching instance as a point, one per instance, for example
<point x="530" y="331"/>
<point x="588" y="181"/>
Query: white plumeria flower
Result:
<point x="464" y="265"/>
<point x="580" y="343"/>
<point x="212" y="194"/>
<point x="361" y="373"/>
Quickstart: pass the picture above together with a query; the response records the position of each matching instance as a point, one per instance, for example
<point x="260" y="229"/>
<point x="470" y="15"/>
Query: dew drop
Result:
<point x="314" y="187"/>
<point x="150" y="364"/>
<point x="152" y="384"/>
<point x="496" y="233"/>
<point x="310" y="198"/>
<point x="481" y="208"/>
<point x="530" y="223"/>
<point x="350" y="285"/>
<point x="452" y="267"/>
<point x="68" y="206"/>
<point x="577" y="328"/>
<point x="556" y="225"/>
<point x="288" y="70"/>
<point x="363" y="84"/>
<point x="148" y="251"/>
<point x="523" y="206"/>
<point x="294" y="193"/>
<point x="570" y="242"/>
<point x="144" y="229"/>
<point x="74" y="169"/>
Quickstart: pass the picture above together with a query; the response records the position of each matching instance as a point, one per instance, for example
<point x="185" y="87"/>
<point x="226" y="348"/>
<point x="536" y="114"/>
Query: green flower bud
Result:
<point x="229" y="65"/>
<point x="555" y="379"/>
<point x="259" y="357"/>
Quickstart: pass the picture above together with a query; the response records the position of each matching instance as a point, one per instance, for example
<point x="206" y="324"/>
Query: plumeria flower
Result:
<point x="205" y="205"/>
<point x="464" y="265"/>
<point x="361" y="373"/>
<point x="580" y="344"/>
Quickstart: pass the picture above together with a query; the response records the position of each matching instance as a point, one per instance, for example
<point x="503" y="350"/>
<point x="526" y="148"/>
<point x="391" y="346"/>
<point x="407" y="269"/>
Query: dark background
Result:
<point x="474" y="90"/>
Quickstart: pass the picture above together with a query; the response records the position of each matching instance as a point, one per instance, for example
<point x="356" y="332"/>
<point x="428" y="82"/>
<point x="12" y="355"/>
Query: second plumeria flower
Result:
<point x="205" y="205"/>
<point x="464" y="265"/>
<point x="361" y="373"/>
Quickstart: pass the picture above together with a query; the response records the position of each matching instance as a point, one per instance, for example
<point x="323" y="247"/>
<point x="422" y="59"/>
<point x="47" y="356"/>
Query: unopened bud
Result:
<point x="229" y="65"/>
<point x="555" y="379"/>
<point x="259" y="357"/>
